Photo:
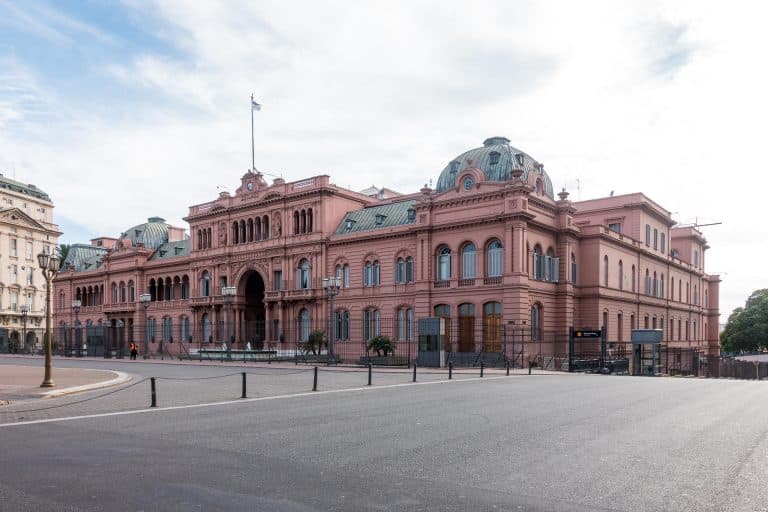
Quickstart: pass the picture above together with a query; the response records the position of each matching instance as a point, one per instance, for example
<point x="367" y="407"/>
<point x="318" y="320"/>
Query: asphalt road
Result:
<point x="543" y="442"/>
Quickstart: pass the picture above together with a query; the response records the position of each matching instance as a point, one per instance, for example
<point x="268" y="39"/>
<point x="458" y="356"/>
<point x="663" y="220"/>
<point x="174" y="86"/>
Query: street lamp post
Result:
<point x="76" y="309"/>
<point x="229" y="293"/>
<point x="144" y="300"/>
<point x="24" y="312"/>
<point x="331" y="285"/>
<point x="49" y="265"/>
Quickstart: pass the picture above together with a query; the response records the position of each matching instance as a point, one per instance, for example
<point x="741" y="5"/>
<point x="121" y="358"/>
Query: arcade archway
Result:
<point x="254" y="315"/>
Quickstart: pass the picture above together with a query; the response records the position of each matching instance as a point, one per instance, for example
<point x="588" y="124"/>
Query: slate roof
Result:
<point x="23" y="188"/>
<point x="375" y="217"/>
<point x="83" y="257"/>
<point x="496" y="167"/>
<point x="172" y="250"/>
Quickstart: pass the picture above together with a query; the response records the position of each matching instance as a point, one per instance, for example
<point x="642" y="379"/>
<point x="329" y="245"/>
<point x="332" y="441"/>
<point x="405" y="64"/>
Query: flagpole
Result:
<point x="253" y="157"/>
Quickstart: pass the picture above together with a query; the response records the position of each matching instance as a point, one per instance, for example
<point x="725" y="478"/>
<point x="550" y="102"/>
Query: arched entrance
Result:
<point x="252" y="288"/>
<point x="15" y="344"/>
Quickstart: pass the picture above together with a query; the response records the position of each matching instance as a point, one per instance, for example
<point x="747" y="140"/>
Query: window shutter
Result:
<point x="555" y="270"/>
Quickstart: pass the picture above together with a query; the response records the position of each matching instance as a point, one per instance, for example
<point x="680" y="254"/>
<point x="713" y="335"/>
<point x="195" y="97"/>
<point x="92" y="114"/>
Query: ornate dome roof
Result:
<point x="152" y="233"/>
<point x="497" y="159"/>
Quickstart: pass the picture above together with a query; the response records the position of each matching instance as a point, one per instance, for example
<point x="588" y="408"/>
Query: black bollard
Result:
<point x="243" y="395"/>
<point x="370" y="373"/>
<point x="154" y="391"/>
<point x="482" y="369"/>
<point x="529" y="367"/>
<point x="314" y="386"/>
<point x="507" y="368"/>
<point x="414" y="372"/>
<point x="450" y="370"/>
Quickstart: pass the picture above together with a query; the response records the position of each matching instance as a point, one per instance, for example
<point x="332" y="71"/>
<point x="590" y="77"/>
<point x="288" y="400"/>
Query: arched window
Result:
<point x="114" y="293"/>
<point x="574" y="269"/>
<point x="655" y="285"/>
<point x="605" y="270"/>
<point x="409" y="269"/>
<point x="242" y="231"/>
<point x="253" y="233"/>
<point x="309" y="220"/>
<point x="168" y="289"/>
<point x="494" y="259"/>
<point x="304" y="275"/>
<point x="539" y="187"/>
<point x="235" y="233"/>
<point x="131" y="292"/>
<point x="443" y="310"/>
<point x="706" y="298"/>
<point x="184" y="329"/>
<point x="205" y="284"/>
<point x="672" y="288"/>
<point x="167" y="329"/>
<point x="376" y="277"/>
<point x="535" y="322"/>
<point x="400" y="270"/>
<point x="342" y="325"/>
<point x="468" y="270"/>
<point x="206" y="322"/>
<point x="367" y="273"/>
<point x="696" y="294"/>
<point x="621" y="275"/>
<point x="304" y="325"/>
<point x="687" y="293"/>
<point x="152" y="290"/>
<point x="185" y="287"/>
<point x="303" y="221"/>
<point x="346" y="276"/>
<point x="443" y="264"/>
<point x="296" y="223"/>
<point x="634" y="278"/>
<point x="265" y="227"/>
<point x="371" y="323"/>
<point x="123" y="294"/>
<point x="661" y="286"/>
<point x="647" y="282"/>
<point x="199" y="239"/>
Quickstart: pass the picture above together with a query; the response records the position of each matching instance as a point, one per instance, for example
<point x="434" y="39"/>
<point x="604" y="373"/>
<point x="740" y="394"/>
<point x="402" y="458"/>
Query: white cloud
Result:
<point x="662" y="97"/>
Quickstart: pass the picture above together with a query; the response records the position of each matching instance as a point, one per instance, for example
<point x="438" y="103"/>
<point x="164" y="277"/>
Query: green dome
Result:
<point x="152" y="233"/>
<point x="497" y="159"/>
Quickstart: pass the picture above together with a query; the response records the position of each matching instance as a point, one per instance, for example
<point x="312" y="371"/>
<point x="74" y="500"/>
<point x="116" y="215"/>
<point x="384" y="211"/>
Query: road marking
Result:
<point x="119" y="379"/>
<point x="243" y="400"/>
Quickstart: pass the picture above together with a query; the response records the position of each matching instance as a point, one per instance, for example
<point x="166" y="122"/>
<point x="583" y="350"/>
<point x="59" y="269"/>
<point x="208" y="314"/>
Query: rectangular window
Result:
<point x="29" y="250"/>
<point x="277" y="279"/>
<point x="655" y="238"/>
<point x="648" y="235"/>
<point x="663" y="243"/>
<point x="14" y="273"/>
<point x="346" y="276"/>
<point x="14" y="300"/>
<point x="29" y="275"/>
<point x="615" y="227"/>
<point x="495" y="262"/>
<point x="14" y="251"/>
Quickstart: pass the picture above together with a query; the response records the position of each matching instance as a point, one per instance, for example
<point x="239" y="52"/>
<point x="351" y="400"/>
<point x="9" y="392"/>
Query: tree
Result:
<point x="747" y="327"/>
<point x="314" y="343"/>
<point x="63" y="251"/>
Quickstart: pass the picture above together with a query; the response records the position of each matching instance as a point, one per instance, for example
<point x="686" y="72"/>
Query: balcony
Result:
<point x="492" y="281"/>
<point x="466" y="282"/>
<point x="442" y="284"/>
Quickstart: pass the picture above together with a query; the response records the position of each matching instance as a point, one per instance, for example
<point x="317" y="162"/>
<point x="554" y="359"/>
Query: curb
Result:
<point x="120" y="379"/>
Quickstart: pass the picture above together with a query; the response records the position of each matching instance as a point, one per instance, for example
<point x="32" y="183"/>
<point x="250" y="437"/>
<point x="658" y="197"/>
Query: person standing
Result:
<point x="134" y="351"/>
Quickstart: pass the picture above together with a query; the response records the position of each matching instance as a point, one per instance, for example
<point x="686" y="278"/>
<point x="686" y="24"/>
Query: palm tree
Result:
<point x="63" y="250"/>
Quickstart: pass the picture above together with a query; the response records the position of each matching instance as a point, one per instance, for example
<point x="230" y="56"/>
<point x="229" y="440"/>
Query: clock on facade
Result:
<point x="249" y="185"/>
<point x="468" y="182"/>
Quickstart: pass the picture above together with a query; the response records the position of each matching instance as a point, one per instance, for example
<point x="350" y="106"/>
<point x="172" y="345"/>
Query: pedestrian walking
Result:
<point x="134" y="351"/>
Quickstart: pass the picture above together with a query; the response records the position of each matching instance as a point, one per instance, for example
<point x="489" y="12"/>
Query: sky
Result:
<point x="126" y="110"/>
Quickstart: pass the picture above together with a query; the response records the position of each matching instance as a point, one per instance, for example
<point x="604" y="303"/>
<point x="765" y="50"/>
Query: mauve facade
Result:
<point x="490" y="243"/>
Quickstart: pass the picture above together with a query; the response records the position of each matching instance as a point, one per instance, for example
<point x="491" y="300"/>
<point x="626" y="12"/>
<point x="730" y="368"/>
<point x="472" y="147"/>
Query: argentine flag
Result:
<point x="254" y="105"/>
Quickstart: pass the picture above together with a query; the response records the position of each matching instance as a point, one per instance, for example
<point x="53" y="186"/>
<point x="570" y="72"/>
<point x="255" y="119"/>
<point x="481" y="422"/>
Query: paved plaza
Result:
<point x="548" y="441"/>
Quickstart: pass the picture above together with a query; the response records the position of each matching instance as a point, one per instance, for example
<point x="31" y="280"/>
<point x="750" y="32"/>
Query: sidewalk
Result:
<point x="23" y="382"/>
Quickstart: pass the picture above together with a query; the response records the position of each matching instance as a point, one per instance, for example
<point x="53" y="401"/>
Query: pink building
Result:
<point x="490" y="247"/>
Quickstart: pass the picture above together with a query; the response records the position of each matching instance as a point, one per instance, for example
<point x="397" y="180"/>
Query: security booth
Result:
<point x="431" y="338"/>
<point x="646" y="351"/>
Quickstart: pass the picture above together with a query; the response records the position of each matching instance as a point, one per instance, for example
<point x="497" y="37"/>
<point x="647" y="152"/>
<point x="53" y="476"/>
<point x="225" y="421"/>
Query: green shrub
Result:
<point x="382" y="345"/>
<point x="315" y="343"/>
